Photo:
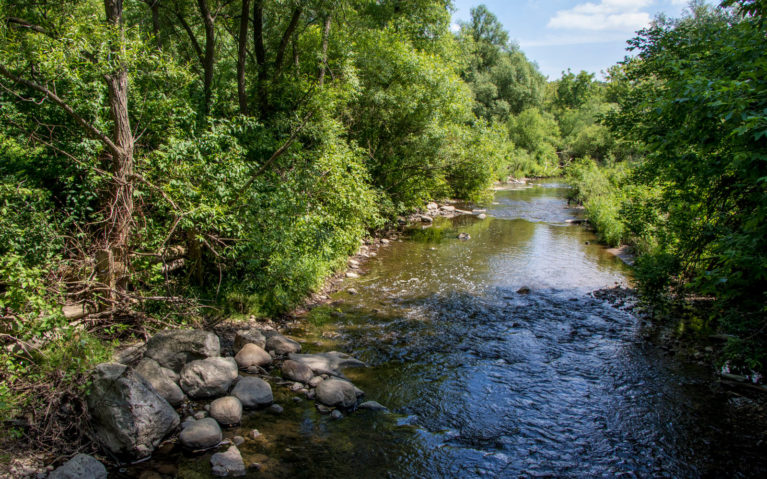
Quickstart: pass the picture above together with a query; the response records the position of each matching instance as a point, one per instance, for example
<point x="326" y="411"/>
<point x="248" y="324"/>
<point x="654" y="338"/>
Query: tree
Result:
<point x="119" y="145"/>
<point x="698" y="108"/>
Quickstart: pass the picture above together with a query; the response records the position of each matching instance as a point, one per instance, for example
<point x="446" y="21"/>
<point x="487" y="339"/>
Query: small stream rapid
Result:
<point x="482" y="381"/>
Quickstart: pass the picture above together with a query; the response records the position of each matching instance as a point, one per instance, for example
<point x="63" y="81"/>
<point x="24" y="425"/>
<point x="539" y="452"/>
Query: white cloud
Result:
<point x="612" y="15"/>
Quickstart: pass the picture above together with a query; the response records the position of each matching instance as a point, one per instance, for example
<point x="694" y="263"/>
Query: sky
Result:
<point x="577" y="34"/>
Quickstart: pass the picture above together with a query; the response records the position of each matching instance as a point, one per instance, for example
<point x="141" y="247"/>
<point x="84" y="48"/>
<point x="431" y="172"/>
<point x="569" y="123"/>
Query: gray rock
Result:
<point x="276" y="409"/>
<point x="523" y="290"/>
<point x="202" y="434"/>
<point x="329" y="363"/>
<point x="187" y="421"/>
<point x="237" y="440"/>
<point x="249" y="336"/>
<point x="226" y="410"/>
<point x="282" y="345"/>
<point x="174" y="348"/>
<point x="464" y="236"/>
<point x="432" y="206"/>
<point x="252" y="355"/>
<point x="129" y="417"/>
<point x="205" y="378"/>
<point x="323" y="409"/>
<point x="296" y="371"/>
<point x="336" y="414"/>
<point x="336" y="392"/>
<point x="426" y="219"/>
<point x="228" y="463"/>
<point x="316" y="380"/>
<point x="200" y="415"/>
<point x="447" y="208"/>
<point x="253" y="392"/>
<point x="352" y="274"/>
<point x="129" y="355"/>
<point x="372" y="406"/>
<point x="163" y="380"/>
<point x="82" y="466"/>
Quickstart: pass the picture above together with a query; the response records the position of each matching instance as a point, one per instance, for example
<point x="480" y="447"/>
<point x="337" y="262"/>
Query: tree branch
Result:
<point x="189" y="32"/>
<point x="21" y="23"/>
<point x="90" y="128"/>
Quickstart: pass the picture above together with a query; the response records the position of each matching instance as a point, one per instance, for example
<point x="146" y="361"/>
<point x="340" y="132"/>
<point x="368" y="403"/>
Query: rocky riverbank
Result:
<point x="184" y="388"/>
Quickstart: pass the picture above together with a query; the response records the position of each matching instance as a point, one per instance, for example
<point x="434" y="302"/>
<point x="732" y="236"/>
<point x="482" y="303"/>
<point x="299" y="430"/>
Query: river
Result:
<point x="484" y="381"/>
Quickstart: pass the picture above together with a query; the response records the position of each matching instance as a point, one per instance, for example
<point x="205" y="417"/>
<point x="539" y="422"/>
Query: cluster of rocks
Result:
<point x="135" y="404"/>
<point x="433" y="209"/>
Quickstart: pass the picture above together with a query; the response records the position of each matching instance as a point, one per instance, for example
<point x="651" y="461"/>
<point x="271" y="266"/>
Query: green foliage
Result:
<point x="699" y="112"/>
<point x="535" y="136"/>
<point x="600" y="192"/>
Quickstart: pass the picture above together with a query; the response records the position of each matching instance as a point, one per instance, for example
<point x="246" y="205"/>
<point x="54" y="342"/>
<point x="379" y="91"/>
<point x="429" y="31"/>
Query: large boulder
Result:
<point x="228" y="463"/>
<point x="328" y="363"/>
<point x="129" y="417"/>
<point x="296" y="371"/>
<point x="202" y="434"/>
<point x="337" y="393"/>
<point x="282" y="345"/>
<point x="252" y="355"/>
<point x="253" y="392"/>
<point x="174" y="348"/>
<point x="249" y="336"/>
<point x="205" y="378"/>
<point x="226" y="410"/>
<point x="82" y="466"/>
<point x="163" y="380"/>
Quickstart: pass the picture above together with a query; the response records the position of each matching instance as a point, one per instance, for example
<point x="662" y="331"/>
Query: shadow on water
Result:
<point x="483" y="381"/>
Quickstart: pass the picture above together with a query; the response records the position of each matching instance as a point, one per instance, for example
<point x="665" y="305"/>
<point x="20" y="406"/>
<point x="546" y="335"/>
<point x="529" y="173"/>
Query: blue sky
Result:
<point x="577" y="34"/>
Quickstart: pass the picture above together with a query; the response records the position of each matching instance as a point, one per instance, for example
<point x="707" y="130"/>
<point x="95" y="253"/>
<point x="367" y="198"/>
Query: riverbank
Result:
<point x="19" y="461"/>
<point x="483" y="328"/>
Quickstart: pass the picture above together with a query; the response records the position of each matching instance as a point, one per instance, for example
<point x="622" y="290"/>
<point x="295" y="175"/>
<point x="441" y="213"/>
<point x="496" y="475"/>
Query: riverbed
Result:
<point x="495" y="359"/>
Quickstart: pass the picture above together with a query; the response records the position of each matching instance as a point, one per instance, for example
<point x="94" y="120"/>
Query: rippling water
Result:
<point x="482" y="381"/>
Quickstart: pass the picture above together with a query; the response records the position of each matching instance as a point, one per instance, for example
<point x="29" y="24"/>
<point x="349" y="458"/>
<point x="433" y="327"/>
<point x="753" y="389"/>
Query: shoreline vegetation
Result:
<point x="192" y="164"/>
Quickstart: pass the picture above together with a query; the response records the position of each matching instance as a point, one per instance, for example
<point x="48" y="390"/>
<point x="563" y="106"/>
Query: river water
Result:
<point x="482" y="381"/>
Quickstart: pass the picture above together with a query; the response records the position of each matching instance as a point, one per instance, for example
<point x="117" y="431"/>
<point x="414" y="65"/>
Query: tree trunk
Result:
<point x="296" y="56"/>
<point x="154" y="7"/>
<point x="241" y="56"/>
<point x="121" y="222"/>
<point x="258" y="43"/>
<point x="285" y="39"/>
<point x="210" y="51"/>
<point x="324" y="58"/>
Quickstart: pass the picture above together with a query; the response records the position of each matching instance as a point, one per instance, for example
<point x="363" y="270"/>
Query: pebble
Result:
<point x="323" y="409"/>
<point x="275" y="409"/>
<point x="237" y="440"/>
<point x="255" y="434"/>
<point x="336" y="414"/>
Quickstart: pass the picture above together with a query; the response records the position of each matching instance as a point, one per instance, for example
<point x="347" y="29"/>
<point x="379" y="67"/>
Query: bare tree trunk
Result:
<point x="210" y="52"/>
<point x="324" y="58"/>
<point x="118" y="236"/>
<point x="241" y="56"/>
